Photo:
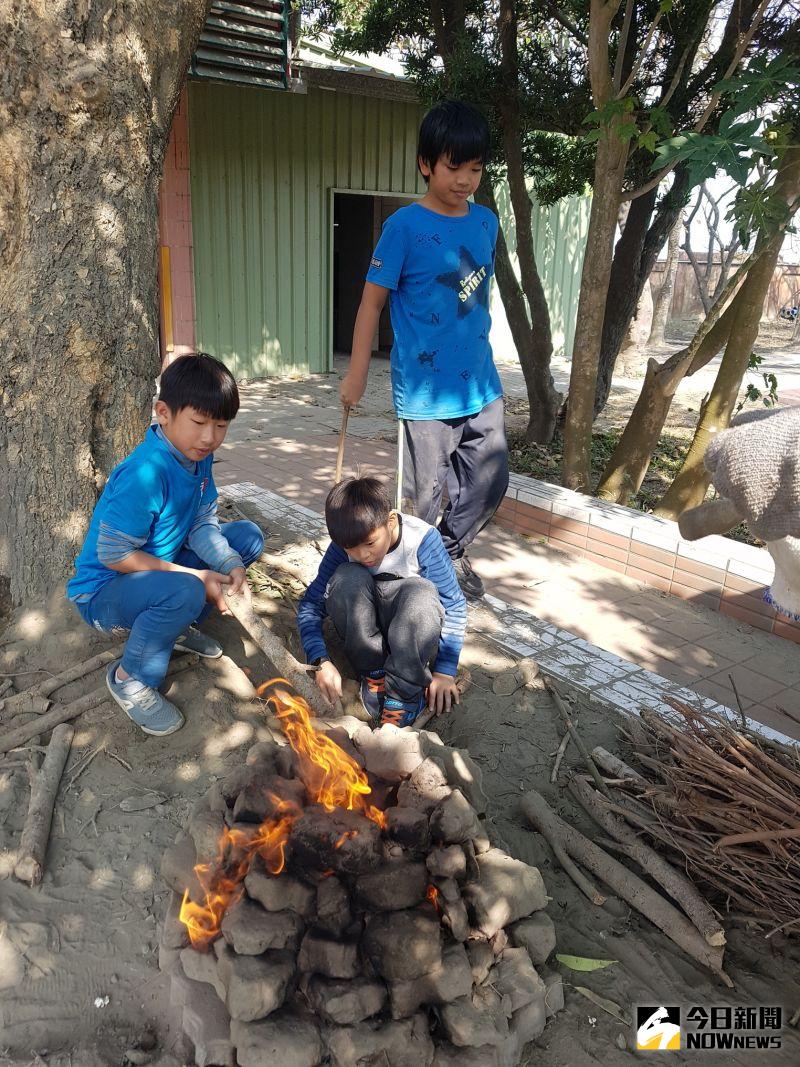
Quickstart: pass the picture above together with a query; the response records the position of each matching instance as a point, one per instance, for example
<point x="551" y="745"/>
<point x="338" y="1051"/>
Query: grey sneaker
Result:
<point x="201" y="644"/>
<point x="471" y="585"/>
<point x="143" y="705"/>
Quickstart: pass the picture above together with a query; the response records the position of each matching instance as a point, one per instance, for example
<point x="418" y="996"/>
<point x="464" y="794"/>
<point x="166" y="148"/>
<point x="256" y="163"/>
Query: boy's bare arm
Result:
<point x="354" y="382"/>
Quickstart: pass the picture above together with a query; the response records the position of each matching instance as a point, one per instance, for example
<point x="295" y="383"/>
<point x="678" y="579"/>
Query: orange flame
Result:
<point x="333" y="779"/>
<point x="432" y="896"/>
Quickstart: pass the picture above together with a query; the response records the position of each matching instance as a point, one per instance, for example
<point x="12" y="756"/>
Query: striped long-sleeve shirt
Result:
<point x="419" y="551"/>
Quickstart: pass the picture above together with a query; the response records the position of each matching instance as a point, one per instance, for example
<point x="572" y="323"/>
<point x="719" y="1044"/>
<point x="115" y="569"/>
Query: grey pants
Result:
<point x="389" y="625"/>
<point x="468" y="456"/>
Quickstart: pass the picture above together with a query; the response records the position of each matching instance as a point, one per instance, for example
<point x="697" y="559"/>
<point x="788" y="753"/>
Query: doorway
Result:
<point x="357" y="222"/>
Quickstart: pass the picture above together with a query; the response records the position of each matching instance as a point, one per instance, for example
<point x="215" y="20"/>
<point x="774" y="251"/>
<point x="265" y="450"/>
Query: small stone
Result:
<point x="481" y="960"/>
<point x="402" y="946"/>
<point x="528" y="670"/>
<point x="528" y="1022"/>
<point x="454" y="916"/>
<point x="450" y="980"/>
<point x="514" y="976"/>
<point x="288" y="1041"/>
<point x="473" y="871"/>
<point x="202" y="967"/>
<point x="454" y="820"/>
<point x="322" y="955"/>
<point x="460" y="770"/>
<point x="498" y="942"/>
<point x="448" y="1055"/>
<point x="263" y="753"/>
<point x="392" y="887"/>
<point x="338" y="840"/>
<point x="177" y="869"/>
<point x="255" y="986"/>
<point x="346" y="1003"/>
<point x="408" y="827"/>
<point x="207" y="1025"/>
<point x="250" y="930"/>
<point x="466" y="1025"/>
<point x="391" y="753"/>
<point x="237" y="780"/>
<point x="426" y="787"/>
<point x="333" y="906"/>
<point x="508" y="890"/>
<point x="340" y="737"/>
<point x="447" y="862"/>
<point x="554" y="994"/>
<point x="481" y="845"/>
<point x="173" y="932"/>
<point x="207" y="829"/>
<point x="267" y="796"/>
<point x="506" y="683"/>
<point x="406" y="1043"/>
<point x="168" y="959"/>
<point x="536" y="934"/>
<point x="279" y="892"/>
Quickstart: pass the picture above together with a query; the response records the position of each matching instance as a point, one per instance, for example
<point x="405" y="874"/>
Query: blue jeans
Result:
<point x="156" y="607"/>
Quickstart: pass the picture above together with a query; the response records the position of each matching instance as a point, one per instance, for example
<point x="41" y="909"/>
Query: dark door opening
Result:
<point x="357" y="223"/>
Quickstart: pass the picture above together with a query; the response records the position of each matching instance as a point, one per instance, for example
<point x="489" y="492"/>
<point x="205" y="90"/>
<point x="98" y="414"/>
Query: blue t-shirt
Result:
<point x="439" y="268"/>
<point x="150" y="498"/>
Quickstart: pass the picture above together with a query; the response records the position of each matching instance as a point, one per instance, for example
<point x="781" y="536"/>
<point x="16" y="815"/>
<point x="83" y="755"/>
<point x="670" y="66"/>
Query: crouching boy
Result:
<point x="156" y="560"/>
<point x="389" y="587"/>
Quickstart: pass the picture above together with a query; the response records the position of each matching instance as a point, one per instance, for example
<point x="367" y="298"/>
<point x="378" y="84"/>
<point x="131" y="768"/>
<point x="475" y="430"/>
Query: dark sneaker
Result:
<point x="201" y="644"/>
<point x="143" y="705"/>
<point x="401" y="712"/>
<point x="471" y="585"/>
<point x="373" y="689"/>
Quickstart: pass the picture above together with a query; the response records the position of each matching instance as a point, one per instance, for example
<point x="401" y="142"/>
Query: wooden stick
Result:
<point x="613" y="765"/>
<point x="624" y="883"/>
<point x="71" y="674"/>
<point x="18" y="735"/>
<point x="278" y="654"/>
<point x="36" y="832"/>
<point x="562" y="748"/>
<point x="581" y="747"/>
<point x="668" y="877"/>
<point x="340" y="453"/>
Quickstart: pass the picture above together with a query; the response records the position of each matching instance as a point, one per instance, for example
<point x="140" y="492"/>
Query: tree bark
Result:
<point x="86" y="101"/>
<point x="663" y="302"/>
<point x="692" y="480"/>
<point x="612" y="154"/>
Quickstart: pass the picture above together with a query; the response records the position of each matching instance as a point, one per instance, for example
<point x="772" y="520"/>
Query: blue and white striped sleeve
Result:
<point x="437" y="567"/>
<point x="206" y="539"/>
<point x="115" y="545"/>
<point x="312" y="610"/>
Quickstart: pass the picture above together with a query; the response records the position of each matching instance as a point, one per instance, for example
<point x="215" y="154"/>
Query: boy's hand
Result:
<point x="329" y="681"/>
<point x="238" y="577"/>
<point x="351" y="390"/>
<point x="214" y="583"/>
<point x="442" y="693"/>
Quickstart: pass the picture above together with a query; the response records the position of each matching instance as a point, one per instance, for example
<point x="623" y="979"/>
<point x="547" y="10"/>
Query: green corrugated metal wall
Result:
<point x="262" y="166"/>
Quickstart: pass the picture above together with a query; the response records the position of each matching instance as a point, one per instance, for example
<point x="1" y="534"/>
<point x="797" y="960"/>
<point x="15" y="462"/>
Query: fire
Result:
<point x="333" y="779"/>
<point x="432" y="896"/>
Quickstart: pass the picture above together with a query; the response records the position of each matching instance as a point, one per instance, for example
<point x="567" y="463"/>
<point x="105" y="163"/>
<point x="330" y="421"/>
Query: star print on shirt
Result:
<point x="468" y="282"/>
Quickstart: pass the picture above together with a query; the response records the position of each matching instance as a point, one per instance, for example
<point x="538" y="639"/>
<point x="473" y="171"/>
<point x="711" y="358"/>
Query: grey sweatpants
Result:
<point x="468" y="456"/>
<point x="391" y="625"/>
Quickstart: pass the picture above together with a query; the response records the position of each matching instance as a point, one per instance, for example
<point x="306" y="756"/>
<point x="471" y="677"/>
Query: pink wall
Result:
<point x="175" y="234"/>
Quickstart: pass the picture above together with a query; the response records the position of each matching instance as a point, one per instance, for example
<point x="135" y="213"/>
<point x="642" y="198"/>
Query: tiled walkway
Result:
<point x="286" y="442"/>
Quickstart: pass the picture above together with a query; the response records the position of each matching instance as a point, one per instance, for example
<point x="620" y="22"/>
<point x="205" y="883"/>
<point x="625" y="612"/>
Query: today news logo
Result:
<point x="660" y="1029"/>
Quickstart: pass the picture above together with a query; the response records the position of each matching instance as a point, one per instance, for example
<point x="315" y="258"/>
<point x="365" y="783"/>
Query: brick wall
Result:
<point x="175" y="236"/>
<point x="717" y="572"/>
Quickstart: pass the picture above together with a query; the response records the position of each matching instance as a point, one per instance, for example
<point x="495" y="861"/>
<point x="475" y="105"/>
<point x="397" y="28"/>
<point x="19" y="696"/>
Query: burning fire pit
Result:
<point x="336" y="901"/>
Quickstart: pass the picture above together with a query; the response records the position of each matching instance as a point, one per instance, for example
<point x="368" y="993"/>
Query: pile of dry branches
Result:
<point x="722" y="800"/>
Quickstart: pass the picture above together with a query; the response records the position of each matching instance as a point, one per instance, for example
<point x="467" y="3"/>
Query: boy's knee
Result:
<point x="422" y="594"/>
<point x="246" y="538"/>
<point x="189" y="594"/>
<point x="349" y="579"/>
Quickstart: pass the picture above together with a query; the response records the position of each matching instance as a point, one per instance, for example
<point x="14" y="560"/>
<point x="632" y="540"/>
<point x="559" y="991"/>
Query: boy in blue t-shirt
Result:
<point x="435" y="260"/>
<point x="155" y="559"/>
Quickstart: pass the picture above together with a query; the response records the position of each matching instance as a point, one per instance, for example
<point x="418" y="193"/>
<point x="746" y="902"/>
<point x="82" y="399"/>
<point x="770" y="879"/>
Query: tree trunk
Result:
<point x="663" y="302"/>
<point x="87" y="99"/>
<point x="692" y="480"/>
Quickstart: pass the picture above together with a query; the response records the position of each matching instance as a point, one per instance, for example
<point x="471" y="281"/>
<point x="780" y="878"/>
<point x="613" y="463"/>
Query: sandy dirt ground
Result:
<point x="79" y="979"/>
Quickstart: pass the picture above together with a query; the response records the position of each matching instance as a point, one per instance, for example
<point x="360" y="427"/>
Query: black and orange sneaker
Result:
<point x="401" y="712"/>
<point x="373" y="690"/>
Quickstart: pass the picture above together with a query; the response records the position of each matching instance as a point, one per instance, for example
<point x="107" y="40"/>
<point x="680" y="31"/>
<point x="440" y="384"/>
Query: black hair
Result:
<point x="199" y="381"/>
<point x="456" y="129"/>
<point x="354" y="508"/>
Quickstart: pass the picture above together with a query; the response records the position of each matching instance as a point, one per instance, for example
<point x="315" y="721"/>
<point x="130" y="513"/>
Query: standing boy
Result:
<point x="435" y="260"/>
<point x="156" y="560"/>
<point x="388" y="586"/>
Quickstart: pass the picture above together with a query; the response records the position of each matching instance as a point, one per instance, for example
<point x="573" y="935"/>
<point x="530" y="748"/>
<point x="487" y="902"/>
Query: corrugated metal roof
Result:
<point x="245" y="42"/>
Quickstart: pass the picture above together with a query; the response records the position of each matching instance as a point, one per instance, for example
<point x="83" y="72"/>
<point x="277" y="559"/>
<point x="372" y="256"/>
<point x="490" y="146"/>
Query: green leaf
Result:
<point x="648" y="140"/>
<point x="583" y="963"/>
